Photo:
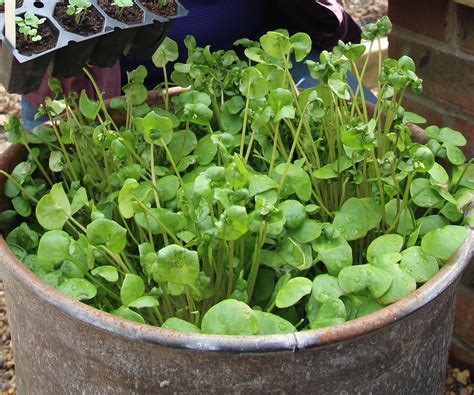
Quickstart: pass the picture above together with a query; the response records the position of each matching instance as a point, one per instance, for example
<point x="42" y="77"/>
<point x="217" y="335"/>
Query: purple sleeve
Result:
<point x="348" y="29"/>
<point x="108" y="81"/>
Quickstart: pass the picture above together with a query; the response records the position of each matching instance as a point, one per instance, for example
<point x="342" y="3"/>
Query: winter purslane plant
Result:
<point x="121" y="6"/>
<point x="78" y="8"/>
<point x="243" y="206"/>
<point x="28" y="26"/>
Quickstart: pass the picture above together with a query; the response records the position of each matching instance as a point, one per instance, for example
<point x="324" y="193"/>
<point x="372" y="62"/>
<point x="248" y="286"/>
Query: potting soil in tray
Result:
<point x="92" y="22"/>
<point x="168" y="10"/>
<point x="49" y="35"/>
<point x="97" y="32"/>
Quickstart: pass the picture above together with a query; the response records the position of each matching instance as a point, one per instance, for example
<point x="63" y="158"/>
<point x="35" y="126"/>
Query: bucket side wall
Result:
<point x="57" y="353"/>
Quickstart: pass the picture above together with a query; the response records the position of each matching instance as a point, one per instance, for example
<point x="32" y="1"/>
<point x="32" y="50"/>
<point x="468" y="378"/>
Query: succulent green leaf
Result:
<point x="334" y="253"/>
<point x="292" y="292"/>
<point x="230" y="317"/>
<point x="352" y="219"/>
<point x="78" y="289"/>
<point x="442" y="243"/>
<point x="326" y="287"/>
<point x="107" y="233"/>
<point x="271" y="324"/>
<point x="53" y="209"/>
<point x="166" y="52"/>
<point x="126" y="313"/>
<point x="331" y="312"/>
<point x="383" y="245"/>
<point x="420" y="266"/>
<point x="132" y="288"/>
<point x="402" y="284"/>
<point x="176" y="264"/>
<point x="107" y="272"/>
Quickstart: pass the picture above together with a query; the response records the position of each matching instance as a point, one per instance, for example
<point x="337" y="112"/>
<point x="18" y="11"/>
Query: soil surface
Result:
<point x="130" y="16"/>
<point x="92" y="21"/>
<point x="170" y="9"/>
<point x="49" y="39"/>
<point x="19" y="3"/>
<point x="365" y="11"/>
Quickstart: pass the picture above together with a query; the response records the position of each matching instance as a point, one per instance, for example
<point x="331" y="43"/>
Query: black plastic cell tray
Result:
<point x="72" y="51"/>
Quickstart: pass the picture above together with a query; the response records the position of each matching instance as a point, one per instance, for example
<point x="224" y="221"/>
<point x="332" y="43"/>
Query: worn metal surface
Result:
<point x="62" y="346"/>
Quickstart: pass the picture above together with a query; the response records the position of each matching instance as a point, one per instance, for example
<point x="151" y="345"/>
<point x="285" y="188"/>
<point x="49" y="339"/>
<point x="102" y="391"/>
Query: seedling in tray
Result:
<point x="28" y="26"/>
<point x="78" y="8"/>
<point x="121" y="5"/>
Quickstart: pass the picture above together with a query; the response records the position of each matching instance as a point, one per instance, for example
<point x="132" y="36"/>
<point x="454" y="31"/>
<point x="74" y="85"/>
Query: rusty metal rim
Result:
<point x="106" y="322"/>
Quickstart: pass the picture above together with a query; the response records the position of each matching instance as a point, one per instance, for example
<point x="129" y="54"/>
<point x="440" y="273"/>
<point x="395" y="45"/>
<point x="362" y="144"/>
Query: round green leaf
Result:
<point x="166" y="52"/>
<point x="353" y="279"/>
<point x="230" y="317"/>
<point x="423" y="159"/>
<point x="446" y="135"/>
<point x="383" y="245"/>
<point x="331" y="312"/>
<point x="402" y="285"/>
<point x="442" y="243"/>
<point x="107" y="272"/>
<point x="352" y="220"/>
<point x="301" y="44"/>
<point x="78" y="289"/>
<point x="132" y="288"/>
<point x="294" y="213"/>
<point x="271" y="324"/>
<point x="292" y="292"/>
<point x="420" y="266"/>
<point x="143" y="302"/>
<point x="334" y="253"/>
<point x="310" y="230"/>
<point x="298" y="179"/>
<point x="423" y="194"/>
<point x="53" y="209"/>
<point x="177" y="265"/>
<point x="157" y="129"/>
<point x="126" y="313"/>
<point x="233" y="223"/>
<point x="180" y="325"/>
<point x="108" y="233"/>
<point x="326" y="287"/>
<point x="275" y="44"/>
<point x="126" y="198"/>
<point x="53" y="249"/>
<point x="378" y="281"/>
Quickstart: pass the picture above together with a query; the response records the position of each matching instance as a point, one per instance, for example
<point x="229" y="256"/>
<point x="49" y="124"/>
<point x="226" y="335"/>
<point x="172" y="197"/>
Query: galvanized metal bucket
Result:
<point x="63" y="347"/>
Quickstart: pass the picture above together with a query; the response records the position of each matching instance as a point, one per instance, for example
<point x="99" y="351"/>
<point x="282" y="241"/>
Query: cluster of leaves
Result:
<point x="243" y="206"/>
<point x="78" y="8"/>
<point x="28" y="26"/>
<point x="121" y="6"/>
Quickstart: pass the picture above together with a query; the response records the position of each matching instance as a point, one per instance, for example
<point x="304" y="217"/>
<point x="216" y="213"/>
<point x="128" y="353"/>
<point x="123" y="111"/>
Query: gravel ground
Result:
<point x="457" y="383"/>
<point x="365" y="11"/>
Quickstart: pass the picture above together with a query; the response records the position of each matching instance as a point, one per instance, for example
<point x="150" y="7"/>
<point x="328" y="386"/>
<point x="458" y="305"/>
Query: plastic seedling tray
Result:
<point x="23" y="74"/>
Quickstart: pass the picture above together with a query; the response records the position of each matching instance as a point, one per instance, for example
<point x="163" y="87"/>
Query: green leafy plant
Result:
<point x="28" y="26"/>
<point x="243" y="206"/>
<point x="121" y="6"/>
<point x="78" y="8"/>
<point x="2" y="2"/>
